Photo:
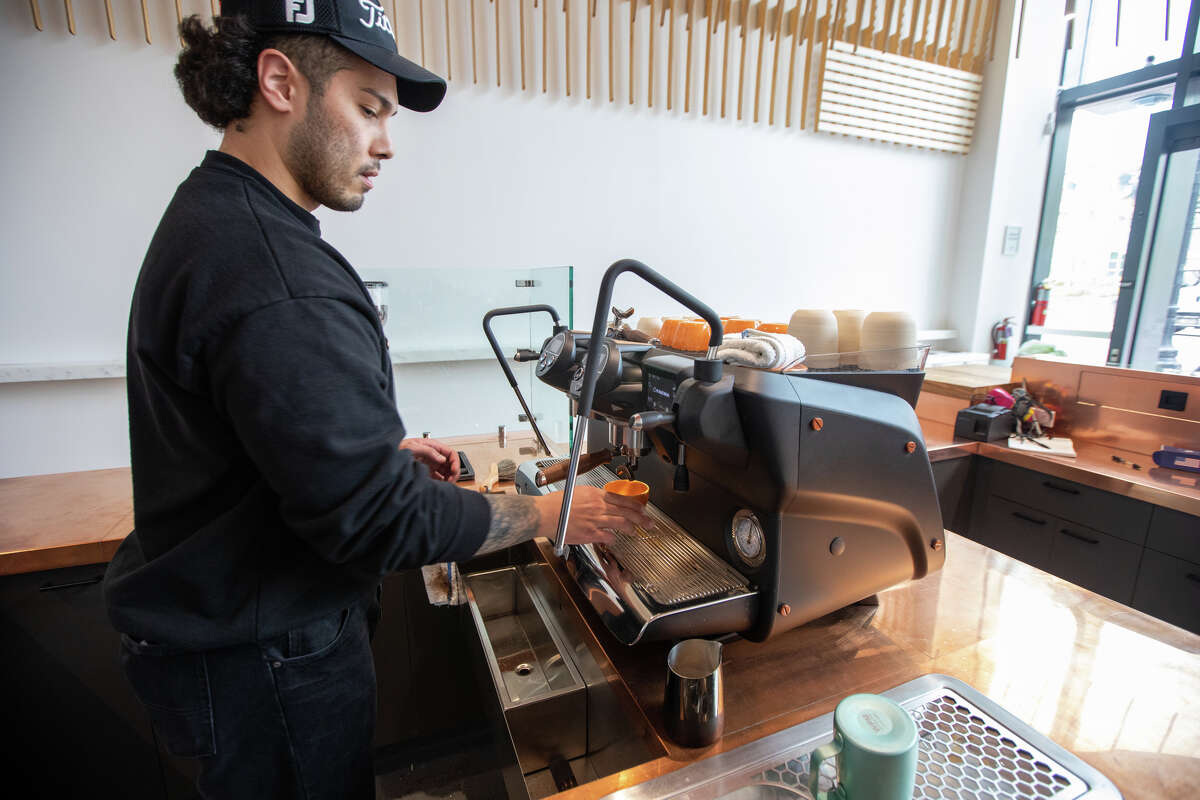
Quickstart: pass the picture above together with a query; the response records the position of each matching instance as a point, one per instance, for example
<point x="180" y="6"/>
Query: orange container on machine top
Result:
<point x="693" y="335"/>
<point x="772" y="327"/>
<point x="737" y="324"/>
<point x="669" y="331"/>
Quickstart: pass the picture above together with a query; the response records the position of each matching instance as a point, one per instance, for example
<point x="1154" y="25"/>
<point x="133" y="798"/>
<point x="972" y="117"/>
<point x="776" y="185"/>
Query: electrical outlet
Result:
<point x="1172" y="401"/>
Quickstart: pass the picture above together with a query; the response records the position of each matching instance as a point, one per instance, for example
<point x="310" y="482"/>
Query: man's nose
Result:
<point x="382" y="146"/>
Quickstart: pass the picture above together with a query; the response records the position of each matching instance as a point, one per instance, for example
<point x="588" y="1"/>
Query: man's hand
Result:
<point x="441" y="459"/>
<point x="595" y="514"/>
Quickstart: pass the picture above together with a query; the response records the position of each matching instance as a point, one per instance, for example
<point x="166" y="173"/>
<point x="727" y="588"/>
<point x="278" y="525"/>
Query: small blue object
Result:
<point x="1178" y="458"/>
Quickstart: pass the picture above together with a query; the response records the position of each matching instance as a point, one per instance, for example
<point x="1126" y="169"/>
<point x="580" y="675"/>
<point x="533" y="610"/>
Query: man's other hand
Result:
<point x="441" y="459"/>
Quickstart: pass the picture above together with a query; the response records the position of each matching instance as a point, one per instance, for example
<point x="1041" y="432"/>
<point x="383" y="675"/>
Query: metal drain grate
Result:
<point x="664" y="562"/>
<point x="970" y="748"/>
<point x="965" y="754"/>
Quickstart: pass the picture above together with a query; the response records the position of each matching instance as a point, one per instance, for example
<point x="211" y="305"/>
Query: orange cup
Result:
<point x="772" y="327"/>
<point x="737" y="324"/>
<point x="693" y="335"/>
<point x="636" y="489"/>
<point x="669" y="332"/>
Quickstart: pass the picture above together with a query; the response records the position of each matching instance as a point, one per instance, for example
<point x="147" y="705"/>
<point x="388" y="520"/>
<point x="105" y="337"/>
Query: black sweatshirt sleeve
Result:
<point x="302" y="383"/>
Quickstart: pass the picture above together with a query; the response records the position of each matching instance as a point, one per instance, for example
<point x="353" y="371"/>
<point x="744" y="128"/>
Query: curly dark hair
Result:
<point x="217" y="69"/>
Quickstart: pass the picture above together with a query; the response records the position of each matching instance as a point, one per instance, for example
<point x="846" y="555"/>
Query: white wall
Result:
<point x="1005" y="175"/>
<point x="754" y="220"/>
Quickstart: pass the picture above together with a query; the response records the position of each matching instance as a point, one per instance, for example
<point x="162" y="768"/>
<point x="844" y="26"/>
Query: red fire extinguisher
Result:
<point x="1002" y="331"/>
<point x="1040" y="303"/>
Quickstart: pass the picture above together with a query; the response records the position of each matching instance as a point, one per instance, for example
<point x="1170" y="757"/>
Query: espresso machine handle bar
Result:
<point x="707" y="370"/>
<point x="512" y="381"/>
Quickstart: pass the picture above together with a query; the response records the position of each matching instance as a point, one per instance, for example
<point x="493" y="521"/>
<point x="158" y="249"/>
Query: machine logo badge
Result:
<point x="299" y="11"/>
<point x="376" y="17"/>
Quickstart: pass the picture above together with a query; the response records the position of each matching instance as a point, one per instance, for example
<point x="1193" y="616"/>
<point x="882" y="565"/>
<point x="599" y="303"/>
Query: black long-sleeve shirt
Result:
<point x="268" y="486"/>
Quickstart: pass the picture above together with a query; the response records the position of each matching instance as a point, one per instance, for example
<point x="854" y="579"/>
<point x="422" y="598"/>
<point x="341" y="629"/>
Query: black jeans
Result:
<point x="291" y="717"/>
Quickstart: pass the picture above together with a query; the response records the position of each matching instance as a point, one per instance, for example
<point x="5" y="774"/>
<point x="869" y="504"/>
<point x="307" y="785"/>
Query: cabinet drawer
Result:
<point x="1169" y="588"/>
<point x="1102" y="511"/>
<point x="1096" y="561"/>
<point x="1175" y="533"/>
<point x="1017" y="531"/>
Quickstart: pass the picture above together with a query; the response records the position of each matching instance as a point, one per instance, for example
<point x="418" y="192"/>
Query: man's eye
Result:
<point x="369" y="112"/>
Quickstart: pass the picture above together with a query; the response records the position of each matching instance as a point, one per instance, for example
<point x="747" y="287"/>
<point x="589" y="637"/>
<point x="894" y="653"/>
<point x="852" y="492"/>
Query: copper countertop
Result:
<point x="1112" y="685"/>
<point x="1092" y="466"/>
<point x="75" y="518"/>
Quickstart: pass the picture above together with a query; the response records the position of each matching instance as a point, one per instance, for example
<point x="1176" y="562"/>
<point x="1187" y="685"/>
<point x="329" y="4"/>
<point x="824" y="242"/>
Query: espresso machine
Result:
<point x="777" y="497"/>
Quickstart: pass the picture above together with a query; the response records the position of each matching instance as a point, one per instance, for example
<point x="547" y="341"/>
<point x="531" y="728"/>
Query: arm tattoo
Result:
<point x="514" y="520"/>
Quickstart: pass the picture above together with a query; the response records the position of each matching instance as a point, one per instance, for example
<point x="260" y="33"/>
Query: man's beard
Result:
<point x="319" y="160"/>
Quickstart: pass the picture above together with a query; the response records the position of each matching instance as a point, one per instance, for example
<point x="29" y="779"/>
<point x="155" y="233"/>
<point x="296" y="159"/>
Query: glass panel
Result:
<point x="1104" y="160"/>
<point x="448" y="382"/>
<point x="1167" y="337"/>
<point x="1100" y="50"/>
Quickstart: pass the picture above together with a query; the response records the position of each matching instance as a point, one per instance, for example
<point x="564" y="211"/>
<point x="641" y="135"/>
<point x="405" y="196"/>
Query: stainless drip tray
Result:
<point x="660" y="583"/>
<point x="664" y="562"/>
<point x="969" y="749"/>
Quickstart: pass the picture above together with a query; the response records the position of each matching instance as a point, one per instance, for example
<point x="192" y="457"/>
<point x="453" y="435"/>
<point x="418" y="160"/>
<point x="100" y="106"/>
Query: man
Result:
<point x="273" y="486"/>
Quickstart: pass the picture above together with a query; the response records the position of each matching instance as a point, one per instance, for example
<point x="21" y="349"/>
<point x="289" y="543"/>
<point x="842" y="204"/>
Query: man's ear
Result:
<point x="279" y="82"/>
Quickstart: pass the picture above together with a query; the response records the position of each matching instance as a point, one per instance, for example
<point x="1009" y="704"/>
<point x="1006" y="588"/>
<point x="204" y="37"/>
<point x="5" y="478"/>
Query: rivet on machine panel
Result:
<point x="837" y="546"/>
<point x="818" y="423"/>
<point x="936" y="544"/>
<point x="784" y="609"/>
<point x="911" y="447"/>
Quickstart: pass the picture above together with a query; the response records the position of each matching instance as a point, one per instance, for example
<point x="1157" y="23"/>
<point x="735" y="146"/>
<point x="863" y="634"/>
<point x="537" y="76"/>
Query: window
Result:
<point x="1115" y="264"/>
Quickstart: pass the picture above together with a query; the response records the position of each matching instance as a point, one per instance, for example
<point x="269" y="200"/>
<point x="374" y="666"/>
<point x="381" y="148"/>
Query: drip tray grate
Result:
<point x="964" y="754"/>
<point x="969" y="749"/>
<point x="664" y="562"/>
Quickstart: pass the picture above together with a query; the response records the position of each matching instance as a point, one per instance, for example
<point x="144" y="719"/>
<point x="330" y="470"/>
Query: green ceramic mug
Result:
<point x="875" y="744"/>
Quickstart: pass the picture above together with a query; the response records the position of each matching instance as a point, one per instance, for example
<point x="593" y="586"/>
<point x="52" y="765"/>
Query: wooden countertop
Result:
<point x="1114" y="686"/>
<point x="74" y="518"/>
<point x="965" y="380"/>
<point x="63" y="520"/>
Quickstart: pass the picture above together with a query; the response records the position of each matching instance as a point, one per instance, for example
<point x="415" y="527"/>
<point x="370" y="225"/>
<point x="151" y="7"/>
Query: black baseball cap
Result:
<point x="361" y="26"/>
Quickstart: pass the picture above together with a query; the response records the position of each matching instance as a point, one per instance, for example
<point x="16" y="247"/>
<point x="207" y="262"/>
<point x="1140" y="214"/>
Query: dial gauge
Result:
<point x="747" y="538"/>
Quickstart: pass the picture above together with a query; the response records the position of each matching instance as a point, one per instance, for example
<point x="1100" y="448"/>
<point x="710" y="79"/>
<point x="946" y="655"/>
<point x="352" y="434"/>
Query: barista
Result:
<point x="273" y="484"/>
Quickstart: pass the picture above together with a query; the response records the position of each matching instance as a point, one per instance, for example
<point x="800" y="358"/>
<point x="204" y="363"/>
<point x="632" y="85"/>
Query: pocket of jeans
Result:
<point x="310" y="641"/>
<point x="173" y="687"/>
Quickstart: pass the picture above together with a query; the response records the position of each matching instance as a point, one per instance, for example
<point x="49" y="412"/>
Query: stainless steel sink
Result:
<point x="543" y="696"/>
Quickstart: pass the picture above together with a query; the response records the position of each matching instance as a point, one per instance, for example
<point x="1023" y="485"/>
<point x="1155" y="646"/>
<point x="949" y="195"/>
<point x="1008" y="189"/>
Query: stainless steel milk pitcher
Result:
<point x="694" y="705"/>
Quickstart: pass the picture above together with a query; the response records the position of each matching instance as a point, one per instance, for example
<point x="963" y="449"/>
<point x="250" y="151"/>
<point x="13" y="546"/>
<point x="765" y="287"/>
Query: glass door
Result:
<point x="1160" y="288"/>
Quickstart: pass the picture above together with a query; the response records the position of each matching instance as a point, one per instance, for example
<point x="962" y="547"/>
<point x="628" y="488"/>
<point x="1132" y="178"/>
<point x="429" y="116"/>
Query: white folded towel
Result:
<point x="760" y="349"/>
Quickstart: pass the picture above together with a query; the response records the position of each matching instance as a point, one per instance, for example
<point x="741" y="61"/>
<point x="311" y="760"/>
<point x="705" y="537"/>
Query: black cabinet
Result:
<point x="74" y="727"/>
<point x="1169" y="588"/>
<point x="1015" y="530"/>
<point x="954" y="479"/>
<point x="1099" y="510"/>
<point x="1132" y="552"/>
<point x="1104" y="564"/>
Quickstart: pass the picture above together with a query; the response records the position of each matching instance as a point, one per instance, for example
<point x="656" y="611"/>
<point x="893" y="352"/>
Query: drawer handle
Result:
<point x="1057" y="488"/>
<point x="1028" y="518"/>
<point x="52" y="587"/>
<point x="1080" y="537"/>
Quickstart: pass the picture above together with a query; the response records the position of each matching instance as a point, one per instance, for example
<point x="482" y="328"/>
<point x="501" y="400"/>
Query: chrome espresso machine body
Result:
<point x="778" y="497"/>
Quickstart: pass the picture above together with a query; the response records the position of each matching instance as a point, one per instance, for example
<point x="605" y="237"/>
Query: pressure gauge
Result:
<point x="747" y="538"/>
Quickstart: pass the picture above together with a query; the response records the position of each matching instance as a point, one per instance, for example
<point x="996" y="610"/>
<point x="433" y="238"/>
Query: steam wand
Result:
<point x="522" y="355"/>
<point x="707" y="369"/>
